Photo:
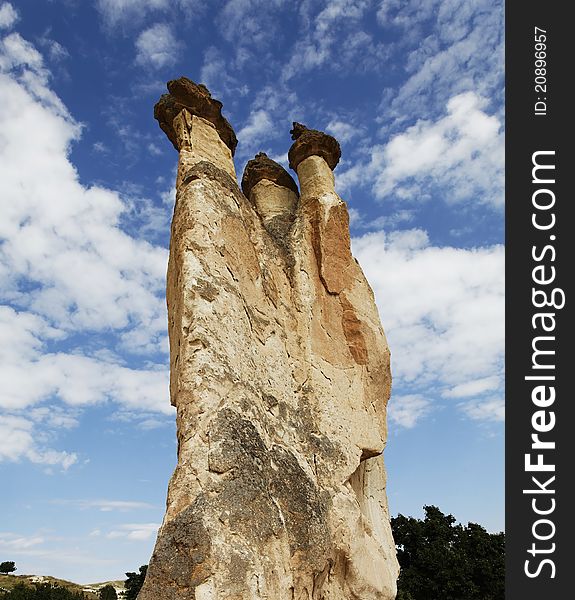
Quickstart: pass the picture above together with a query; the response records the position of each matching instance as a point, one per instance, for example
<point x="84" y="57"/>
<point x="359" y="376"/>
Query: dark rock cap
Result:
<point x="184" y="93"/>
<point x="310" y="142"/>
<point x="262" y="167"/>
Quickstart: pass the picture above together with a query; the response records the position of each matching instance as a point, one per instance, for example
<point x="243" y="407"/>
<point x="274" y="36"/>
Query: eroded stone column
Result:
<point x="280" y="376"/>
<point x="274" y="195"/>
<point x="350" y="365"/>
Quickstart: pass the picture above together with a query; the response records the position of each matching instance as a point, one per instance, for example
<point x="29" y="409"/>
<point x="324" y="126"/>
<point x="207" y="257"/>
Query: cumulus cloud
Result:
<point x="72" y="280"/>
<point x="461" y="155"/>
<point x="462" y="152"/>
<point x="55" y="232"/>
<point x="17" y="442"/>
<point x="8" y="15"/>
<point x="81" y="381"/>
<point x="407" y="410"/>
<point x="443" y="310"/>
<point x="157" y="47"/>
<point x="343" y="131"/>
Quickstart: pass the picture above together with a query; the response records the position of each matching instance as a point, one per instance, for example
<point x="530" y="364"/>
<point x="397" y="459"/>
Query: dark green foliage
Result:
<point x="134" y="583"/>
<point x="108" y="592"/>
<point x="7" y="566"/>
<point x="42" y="591"/>
<point x="443" y="561"/>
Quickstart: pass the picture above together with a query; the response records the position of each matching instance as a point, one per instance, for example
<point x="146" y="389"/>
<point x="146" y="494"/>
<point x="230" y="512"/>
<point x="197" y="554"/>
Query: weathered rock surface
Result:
<point x="196" y="98"/>
<point x="280" y="376"/>
<point x="311" y="142"/>
<point x="274" y="195"/>
<point x="263" y="167"/>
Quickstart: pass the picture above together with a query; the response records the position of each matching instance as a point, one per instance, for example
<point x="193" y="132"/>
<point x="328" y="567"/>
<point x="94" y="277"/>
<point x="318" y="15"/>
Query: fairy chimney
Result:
<point x="280" y="376"/>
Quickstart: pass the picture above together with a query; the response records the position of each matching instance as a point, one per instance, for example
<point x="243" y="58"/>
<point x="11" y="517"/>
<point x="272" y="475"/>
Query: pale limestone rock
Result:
<point x="200" y="141"/>
<point x="280" y="376"/>
<point x="272" y="200"/>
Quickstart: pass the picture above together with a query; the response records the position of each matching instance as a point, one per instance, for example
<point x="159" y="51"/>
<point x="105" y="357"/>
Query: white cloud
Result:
<point x="473" y="387"/>
<point x="407" y="410"/>
<point x="17" y="442"/>
<point x="355" y="217"/>
<point x="14" y="542"/>
<point x="334" y="27"/>
<point x="215" y="73"/>
<point x="250" y="21"/>
<point x="452" y="46"/>
<point x="75" y="379"/>
<point x="154" y="150"/>
<point x="258" y="128"/>
<point x="8" y="15"/>
<point x="125" y="11"/>
<point x="491" y="409"/>
<point x="108" y="505"/>
<point x="461" y="154"/>
<point x="63" y="236"/>
<point x="157" y="47"/>
<point x="443" y="312"/>
<point x="142" y="420"/>
<point x="58" y="234"/>
<point x="54" y="416"/>
<point x="56" y="50"/>
<point x="100" y="148"/>
<point x="15" y="438"/>
<point x="69" y="273"/>
<point x="135" y="531"/>
<point x="133" y="12"/>
<point x="343" y="131"/>
<point x="388" y="222"/>
<point x="16" y="52"/>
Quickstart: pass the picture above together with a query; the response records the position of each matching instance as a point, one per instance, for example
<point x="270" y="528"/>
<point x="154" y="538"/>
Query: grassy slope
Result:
<point x="9" y="581"/>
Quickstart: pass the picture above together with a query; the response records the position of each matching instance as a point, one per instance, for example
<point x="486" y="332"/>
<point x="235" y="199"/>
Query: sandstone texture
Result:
<point x="196" y="98"/>
<point x="309" y="142"/>
<point x="280" y="376"/>
<point x="262" y="167"/>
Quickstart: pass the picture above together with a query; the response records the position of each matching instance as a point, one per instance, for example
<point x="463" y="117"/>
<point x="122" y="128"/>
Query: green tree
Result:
<point x="8" y="566"/>
<point x="108" y="592"/>
<point x="134" y="583"/>
<point x="442" y="560"/>
<point x="42" y="591"/>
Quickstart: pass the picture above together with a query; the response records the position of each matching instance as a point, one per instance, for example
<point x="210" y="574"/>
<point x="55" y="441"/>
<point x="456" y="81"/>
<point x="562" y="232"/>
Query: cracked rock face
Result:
<point x="280" y="376"/>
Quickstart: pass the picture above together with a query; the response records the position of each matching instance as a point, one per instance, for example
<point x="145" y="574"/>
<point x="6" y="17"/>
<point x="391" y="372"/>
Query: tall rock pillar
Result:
<point x="280" y="377"/>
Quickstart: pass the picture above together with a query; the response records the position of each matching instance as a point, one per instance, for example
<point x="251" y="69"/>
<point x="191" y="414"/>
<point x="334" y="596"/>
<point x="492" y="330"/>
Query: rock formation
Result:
<point x="280" y="376"/>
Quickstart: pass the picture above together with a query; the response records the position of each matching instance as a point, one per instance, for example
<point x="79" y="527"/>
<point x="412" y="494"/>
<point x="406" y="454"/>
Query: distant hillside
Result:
<point x="90" y="591"/>
<point x="93" y="588"/>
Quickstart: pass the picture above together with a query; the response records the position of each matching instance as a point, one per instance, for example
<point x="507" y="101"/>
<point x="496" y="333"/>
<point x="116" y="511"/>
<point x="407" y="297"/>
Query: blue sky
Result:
<point x="412" y="89"/>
